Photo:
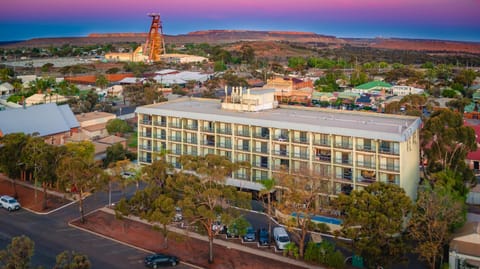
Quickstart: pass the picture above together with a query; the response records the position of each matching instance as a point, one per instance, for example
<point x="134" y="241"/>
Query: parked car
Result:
<point x="127" y="174"/>
<point x="9" y="203"/>
<point x="250" y="235"/>
<point x="156" y="260"/>
<point x="178" y="214"/>
<point x="263" y="237"/>
<point x="281" y="237"/>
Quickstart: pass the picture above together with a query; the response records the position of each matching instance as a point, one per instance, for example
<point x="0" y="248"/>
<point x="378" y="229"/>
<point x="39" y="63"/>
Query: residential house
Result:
<point x="93" y="124"/>
<point x="6" y="89"/>
<point x="401" y="90"/>
<point x="290" y="89"/>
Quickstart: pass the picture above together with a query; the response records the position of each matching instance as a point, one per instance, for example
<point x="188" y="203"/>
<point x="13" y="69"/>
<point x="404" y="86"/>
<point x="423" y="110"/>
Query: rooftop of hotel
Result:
<point x="348" y="123"/>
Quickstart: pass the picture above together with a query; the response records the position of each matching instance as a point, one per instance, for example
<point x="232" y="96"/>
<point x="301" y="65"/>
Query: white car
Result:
<point x="9" y="203"/>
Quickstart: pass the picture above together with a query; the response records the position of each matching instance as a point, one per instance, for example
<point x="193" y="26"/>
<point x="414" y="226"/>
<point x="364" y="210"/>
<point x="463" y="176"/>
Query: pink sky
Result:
<point x="380" y="17"/>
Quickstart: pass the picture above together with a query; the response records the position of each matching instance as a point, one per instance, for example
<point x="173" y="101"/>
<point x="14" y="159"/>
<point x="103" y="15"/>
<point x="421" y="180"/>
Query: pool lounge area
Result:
<point x="324" y="219"/>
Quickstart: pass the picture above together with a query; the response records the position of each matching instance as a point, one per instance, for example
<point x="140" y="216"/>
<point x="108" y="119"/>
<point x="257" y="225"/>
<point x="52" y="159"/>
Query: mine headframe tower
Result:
<point x="155" y="44"/>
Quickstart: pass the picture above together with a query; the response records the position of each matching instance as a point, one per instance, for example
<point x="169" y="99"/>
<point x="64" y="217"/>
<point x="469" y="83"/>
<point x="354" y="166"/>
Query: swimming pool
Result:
<point x="323" y="219"/>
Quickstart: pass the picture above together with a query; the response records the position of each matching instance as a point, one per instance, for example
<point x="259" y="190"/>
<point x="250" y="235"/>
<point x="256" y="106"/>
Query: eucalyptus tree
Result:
<point x="374" y="220"/>
<point x="79" y="171"/>
<point x="437" y="211"/>
<point x="72" y="260"/>
<point x="445" y="142"/>
<point x="11" y="156"/>
<point x="207" y="198"/>
<point x="300" y="200"/>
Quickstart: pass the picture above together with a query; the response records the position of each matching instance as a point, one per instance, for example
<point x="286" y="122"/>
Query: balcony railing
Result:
<point x="224" y="145"/>
<point x="391" y="151"/>
<point x="343" y="145"/>
<point x="261" y="150"/>
<point x="281" y="138"/>
<point x="366" y="148"/>
<point x="301" y="140"/>
<point x="191" y="127"/>
<point x="243" y="133"/>
<point x="366" y="180"/>
<point x="343" y="161"/>
<point x="145" y="147"/>
<point x="322" y="142"/>
<point x="366" y="164"/>
<point x="261" y="136"/>
<point x="175" y="138"/>
<point x="260" y="164"/>
<point x="301" y="155"/>
<point x="208" y="129"/>
<point x="208" y="143"/>
<point x="190" y="140"/>
<point x="323" y="157"/>
<point x="177" y="125"/>
<point x="390" y="167"/>
<point x="147" y="134"/>
<point x="280" y="152"/>
<point x="226" y="131"/>
<point x="160" y="123"/>
<point x="243" y="147"/>
<point x="190" y="152"/>
<point x="146" y="122"/>
<point x="160" y="136"/>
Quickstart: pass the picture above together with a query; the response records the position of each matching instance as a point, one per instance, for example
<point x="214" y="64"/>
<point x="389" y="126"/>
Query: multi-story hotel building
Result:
<point x="348" y="149"/>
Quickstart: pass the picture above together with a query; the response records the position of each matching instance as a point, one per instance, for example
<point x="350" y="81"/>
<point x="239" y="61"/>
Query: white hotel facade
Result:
<point x="349" y="150"/>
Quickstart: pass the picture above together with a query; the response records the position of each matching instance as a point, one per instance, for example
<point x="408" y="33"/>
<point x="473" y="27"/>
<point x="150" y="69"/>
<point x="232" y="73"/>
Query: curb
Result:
<point x="118" y="241"/>
<point x="51" y="211"/>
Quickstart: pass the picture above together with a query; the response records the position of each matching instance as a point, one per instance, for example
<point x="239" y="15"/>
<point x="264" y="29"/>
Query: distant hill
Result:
<point x="232" y="36"/>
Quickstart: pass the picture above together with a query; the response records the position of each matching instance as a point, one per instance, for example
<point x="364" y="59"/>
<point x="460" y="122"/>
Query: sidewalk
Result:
<point x="26" y="193"/>
<point x="188" y="246"/>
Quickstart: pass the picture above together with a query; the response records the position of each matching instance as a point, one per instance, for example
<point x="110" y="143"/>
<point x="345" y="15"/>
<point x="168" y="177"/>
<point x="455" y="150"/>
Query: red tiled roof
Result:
<point x="92" y="79"/>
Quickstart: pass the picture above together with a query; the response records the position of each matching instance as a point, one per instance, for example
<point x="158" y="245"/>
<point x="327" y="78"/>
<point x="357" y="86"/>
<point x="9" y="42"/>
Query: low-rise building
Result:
<point x="6" y="89"/>
<point x="54" y="123"/>
<point x="401" y="90"/>
<point x="465" y="247"/>
<point x="373" y="87"/>
<point x="93" y="124"/>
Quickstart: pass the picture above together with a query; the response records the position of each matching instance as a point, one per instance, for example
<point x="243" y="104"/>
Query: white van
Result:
<point x="281" y="238"/>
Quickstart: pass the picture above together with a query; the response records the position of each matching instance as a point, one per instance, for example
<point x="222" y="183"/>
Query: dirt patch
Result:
<point x="26" y="196"/>
<point x="187" y="249"/>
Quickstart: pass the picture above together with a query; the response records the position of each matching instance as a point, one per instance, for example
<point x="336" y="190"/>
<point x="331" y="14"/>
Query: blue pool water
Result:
<point x="324" y="219"/>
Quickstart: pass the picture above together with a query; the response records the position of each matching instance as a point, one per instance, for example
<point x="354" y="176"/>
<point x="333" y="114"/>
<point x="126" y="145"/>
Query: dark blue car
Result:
<point x="157" y="260"/>
<point x="263" y="237"/>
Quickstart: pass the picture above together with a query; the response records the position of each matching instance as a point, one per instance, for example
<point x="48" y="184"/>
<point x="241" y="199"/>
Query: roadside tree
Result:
<point x="374" y="219"/>
<point x="299" y="201"/>
<point x="18" y="253"/>
<point x="206" y="198"/>
<point x="11" y="155"/>
<point x="72" y="260"/>
<point x="117" y="126"/>
<point x="435" y="214"/>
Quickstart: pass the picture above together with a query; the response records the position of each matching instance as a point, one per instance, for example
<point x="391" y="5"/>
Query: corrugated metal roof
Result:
<point x="46" y="119"/>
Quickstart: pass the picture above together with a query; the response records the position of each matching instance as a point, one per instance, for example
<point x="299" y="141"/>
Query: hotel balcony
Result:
<point x="175" y="138"/>
<point x="243" y="133"/>
<point x="280" y="153"/>
<point x="192" y="127"/>
<point x="366" y="148"/>
<point x="208" y="129"/>
<point x="226" y="131"/>
<point x="176" y="125"/>
<point x="160" y="123"/>
<point x="301" y="155"/>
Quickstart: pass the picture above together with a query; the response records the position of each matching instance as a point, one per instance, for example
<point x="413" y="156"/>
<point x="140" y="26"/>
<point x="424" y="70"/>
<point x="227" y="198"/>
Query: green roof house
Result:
<point x="372" y="87"/>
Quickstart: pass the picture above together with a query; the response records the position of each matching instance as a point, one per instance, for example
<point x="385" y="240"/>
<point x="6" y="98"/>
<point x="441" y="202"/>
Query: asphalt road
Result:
<point x="52" y="235"/>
